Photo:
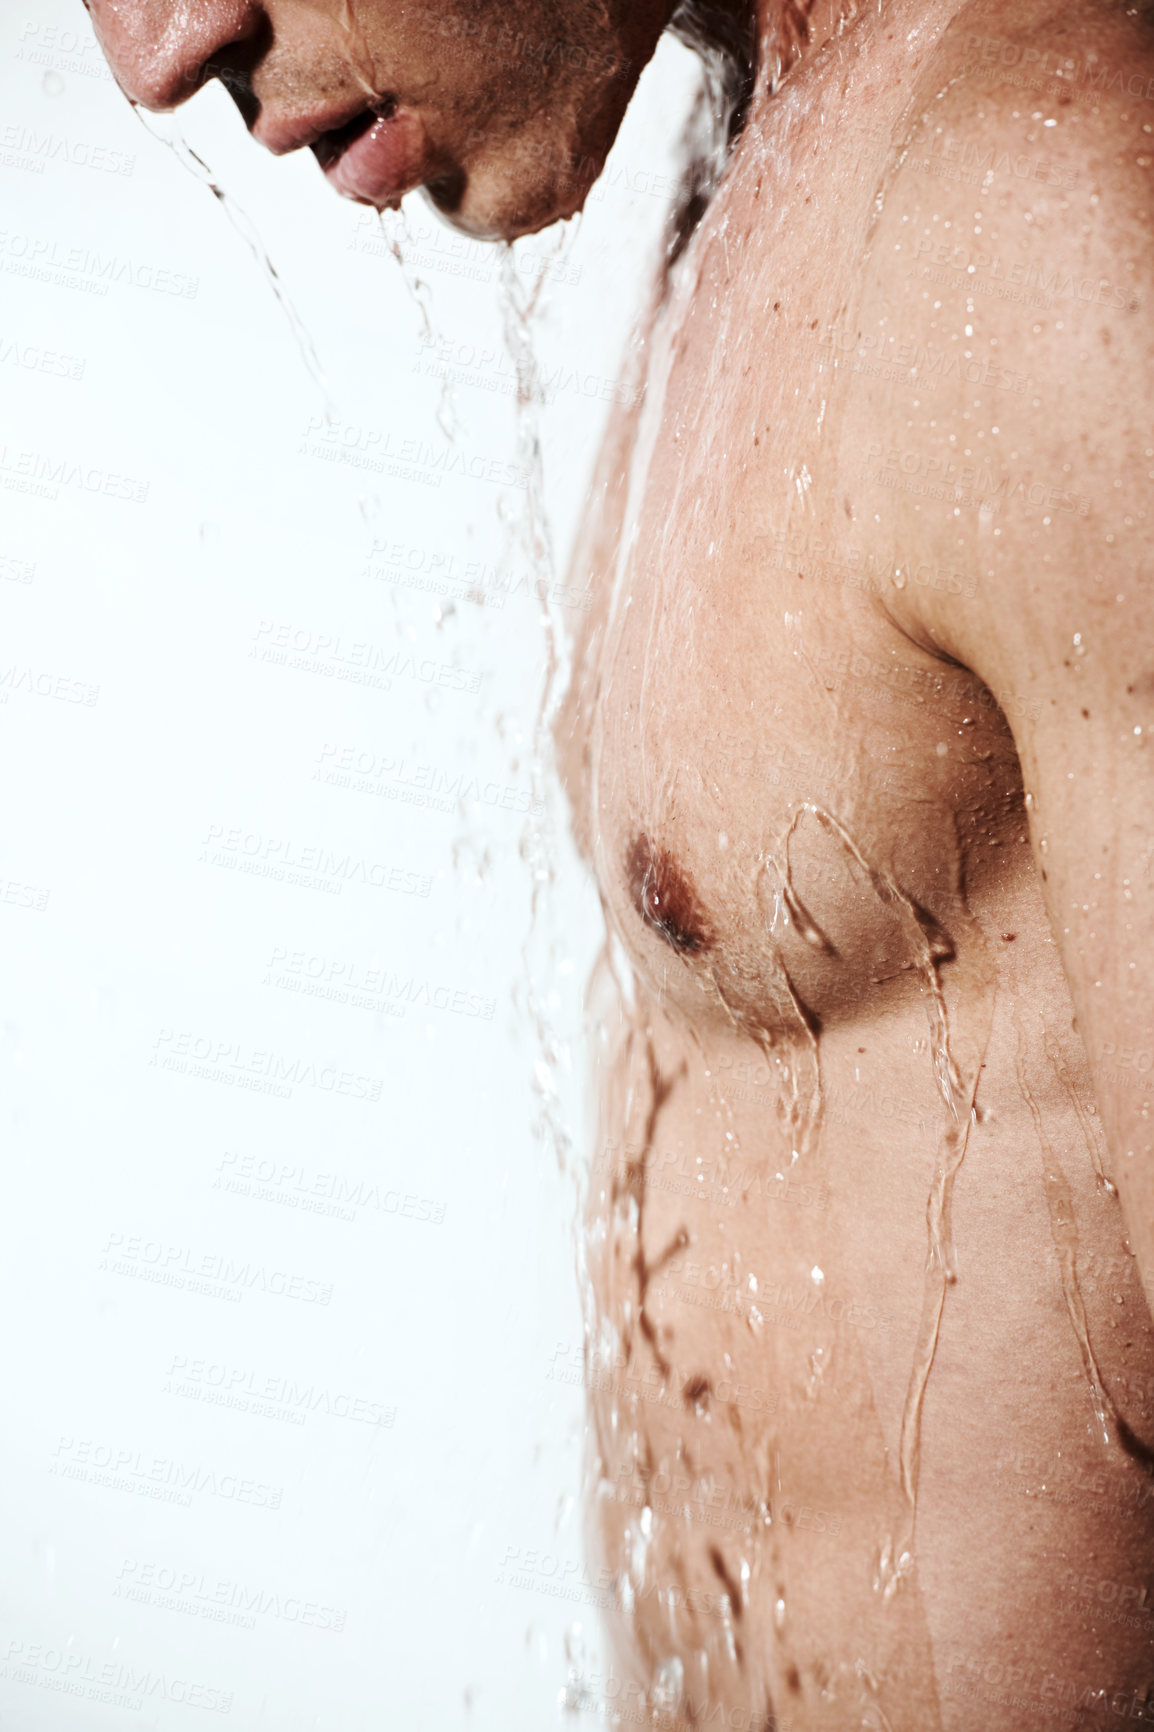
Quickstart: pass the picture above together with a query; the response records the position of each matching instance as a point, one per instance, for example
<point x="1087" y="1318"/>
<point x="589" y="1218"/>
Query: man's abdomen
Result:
<point x="835" y="1487"/>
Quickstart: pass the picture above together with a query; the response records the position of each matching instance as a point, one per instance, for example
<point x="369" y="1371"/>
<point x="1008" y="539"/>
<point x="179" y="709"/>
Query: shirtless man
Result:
<point x="859" y="747"/>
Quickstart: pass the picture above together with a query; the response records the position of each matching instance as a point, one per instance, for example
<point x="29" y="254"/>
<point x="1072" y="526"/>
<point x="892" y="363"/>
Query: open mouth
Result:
<point x="377" y="156"/>
<point x="331" y="145"/>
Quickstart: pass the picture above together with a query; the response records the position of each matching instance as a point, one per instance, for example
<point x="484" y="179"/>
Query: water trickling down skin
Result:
<point x="724" y="970"/>
<point x="1089" y="1133"/>
<point x="931" y="949"/>
<point x="1113" y="1429"/>
<point x="667" y="904"/>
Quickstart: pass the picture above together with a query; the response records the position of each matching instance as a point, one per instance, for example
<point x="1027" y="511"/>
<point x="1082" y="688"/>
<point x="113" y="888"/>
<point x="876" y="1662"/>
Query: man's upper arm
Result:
<point x="1051" y="506"/>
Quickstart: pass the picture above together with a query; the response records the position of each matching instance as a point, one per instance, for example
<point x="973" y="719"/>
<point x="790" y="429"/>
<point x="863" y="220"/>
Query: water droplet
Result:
<point x="668" y="1685"/>
<point x="574" y="1645"/>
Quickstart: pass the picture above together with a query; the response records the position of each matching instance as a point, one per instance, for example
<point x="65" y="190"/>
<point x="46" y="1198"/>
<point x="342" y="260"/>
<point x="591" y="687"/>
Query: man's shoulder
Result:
<point x="1022" y="196"/>
<point x="1020" y="176"/>
<point x="1071" y="54"/>
<point x="1013" y="256"/>
<point x="1036" y="96"/>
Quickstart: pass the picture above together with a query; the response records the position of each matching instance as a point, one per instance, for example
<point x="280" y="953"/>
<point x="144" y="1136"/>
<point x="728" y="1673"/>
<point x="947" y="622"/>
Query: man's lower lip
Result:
<point x="382" y="163"/>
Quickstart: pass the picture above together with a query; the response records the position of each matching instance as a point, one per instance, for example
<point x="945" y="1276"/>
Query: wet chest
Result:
<point x="786" y="794"/>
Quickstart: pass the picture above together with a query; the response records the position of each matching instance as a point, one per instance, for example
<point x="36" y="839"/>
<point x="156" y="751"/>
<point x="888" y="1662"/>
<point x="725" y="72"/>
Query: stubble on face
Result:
<point x="519" y="100"/>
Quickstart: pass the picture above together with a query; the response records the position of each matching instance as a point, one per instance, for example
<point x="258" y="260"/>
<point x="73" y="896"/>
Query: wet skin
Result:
<point x="841" y="1488"/>
<point x="509" y="107"/>
<point x="871" y="1369"/>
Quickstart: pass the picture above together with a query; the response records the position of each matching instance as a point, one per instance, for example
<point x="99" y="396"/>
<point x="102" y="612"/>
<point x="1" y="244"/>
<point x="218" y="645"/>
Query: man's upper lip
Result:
<point x="282" y="133"/>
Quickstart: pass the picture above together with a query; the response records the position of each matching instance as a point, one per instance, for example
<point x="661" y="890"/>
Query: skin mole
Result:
<point x="665" y="898"/>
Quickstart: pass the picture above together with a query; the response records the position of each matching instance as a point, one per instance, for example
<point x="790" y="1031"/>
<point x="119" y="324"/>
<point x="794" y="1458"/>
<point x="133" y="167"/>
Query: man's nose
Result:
<point x="162" y="51"/>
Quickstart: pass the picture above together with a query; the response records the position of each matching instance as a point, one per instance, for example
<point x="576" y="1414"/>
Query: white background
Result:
<point x="179" y="496"/>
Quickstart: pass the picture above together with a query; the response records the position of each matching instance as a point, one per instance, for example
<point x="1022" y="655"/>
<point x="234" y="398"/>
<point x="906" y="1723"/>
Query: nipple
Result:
<point x="664" y="897"/>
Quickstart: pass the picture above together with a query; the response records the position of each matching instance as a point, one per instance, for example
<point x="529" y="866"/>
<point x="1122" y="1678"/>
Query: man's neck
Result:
<point x="749" y="48"/>
<point x="757" y="43"/>
<point x="792" y="32"/>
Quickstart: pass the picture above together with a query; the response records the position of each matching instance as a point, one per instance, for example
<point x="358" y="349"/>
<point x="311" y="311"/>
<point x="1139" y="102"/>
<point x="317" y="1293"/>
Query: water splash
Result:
<point x="196" y="166"/>
<point x="398" y="240"/>
<point x="539" y="841"/>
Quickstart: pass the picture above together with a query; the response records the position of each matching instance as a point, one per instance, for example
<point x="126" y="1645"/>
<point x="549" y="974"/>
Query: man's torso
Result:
<point x="831" y="1482"/>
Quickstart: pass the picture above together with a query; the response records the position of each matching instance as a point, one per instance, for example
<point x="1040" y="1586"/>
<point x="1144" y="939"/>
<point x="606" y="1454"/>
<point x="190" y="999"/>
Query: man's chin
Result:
<point x="489" y="208"/>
